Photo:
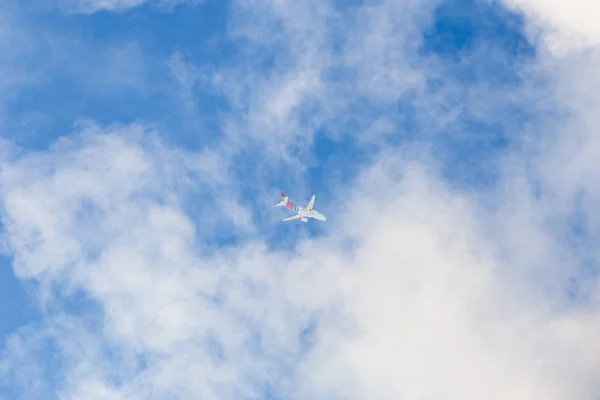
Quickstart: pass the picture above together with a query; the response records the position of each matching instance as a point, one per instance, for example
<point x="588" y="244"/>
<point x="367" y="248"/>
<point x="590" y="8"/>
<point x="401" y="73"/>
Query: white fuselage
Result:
<point x="304" y="213"/>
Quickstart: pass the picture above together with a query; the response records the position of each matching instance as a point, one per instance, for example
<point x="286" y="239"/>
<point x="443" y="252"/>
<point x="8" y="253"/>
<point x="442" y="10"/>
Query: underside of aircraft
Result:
<point x="302" y="214"/>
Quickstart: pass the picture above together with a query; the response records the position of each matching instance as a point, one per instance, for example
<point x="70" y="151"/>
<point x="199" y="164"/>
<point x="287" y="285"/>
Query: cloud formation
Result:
<point x="563" y="24"/>
<point x="421" y="304"/>
<point x="314" y="66"/>
<point x="157" y="278"/>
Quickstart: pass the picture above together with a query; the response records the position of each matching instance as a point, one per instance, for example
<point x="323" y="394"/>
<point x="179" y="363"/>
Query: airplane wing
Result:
<point x="297" y="216"/>
<point x="311" y="203"/>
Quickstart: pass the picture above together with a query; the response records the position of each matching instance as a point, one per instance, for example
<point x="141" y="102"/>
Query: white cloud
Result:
<point x="422" y="304"/>
<point x="564" y="24"/>
<point x="439" y="314"/>
<point x="308" y="66"/>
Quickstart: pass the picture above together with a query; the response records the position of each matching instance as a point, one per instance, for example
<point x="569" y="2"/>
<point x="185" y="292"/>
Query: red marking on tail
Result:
<point x="282" y="194"/>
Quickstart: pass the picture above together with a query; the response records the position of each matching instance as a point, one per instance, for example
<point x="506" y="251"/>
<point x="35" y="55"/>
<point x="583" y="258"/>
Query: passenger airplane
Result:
<point x="301" y="213"/>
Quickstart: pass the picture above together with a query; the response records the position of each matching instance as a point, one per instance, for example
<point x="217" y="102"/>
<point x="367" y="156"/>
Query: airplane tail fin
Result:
<point x="284" y="200"/>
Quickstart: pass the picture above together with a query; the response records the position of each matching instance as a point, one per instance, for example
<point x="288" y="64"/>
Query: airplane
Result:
<point x="301" y="213"/>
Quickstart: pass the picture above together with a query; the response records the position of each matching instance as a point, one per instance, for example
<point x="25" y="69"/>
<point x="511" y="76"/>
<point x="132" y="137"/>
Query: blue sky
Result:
<point x="450" y="143"/>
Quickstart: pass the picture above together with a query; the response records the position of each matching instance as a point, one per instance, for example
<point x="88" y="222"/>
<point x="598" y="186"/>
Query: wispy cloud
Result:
<point x="186" y="75"/>
<point x="48" y="74"/>
<point x="93" y="6"/>
<point x="310" y="66"/>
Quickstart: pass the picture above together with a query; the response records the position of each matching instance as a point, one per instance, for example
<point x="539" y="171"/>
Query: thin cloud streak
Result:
<point x="94" y="6"/>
